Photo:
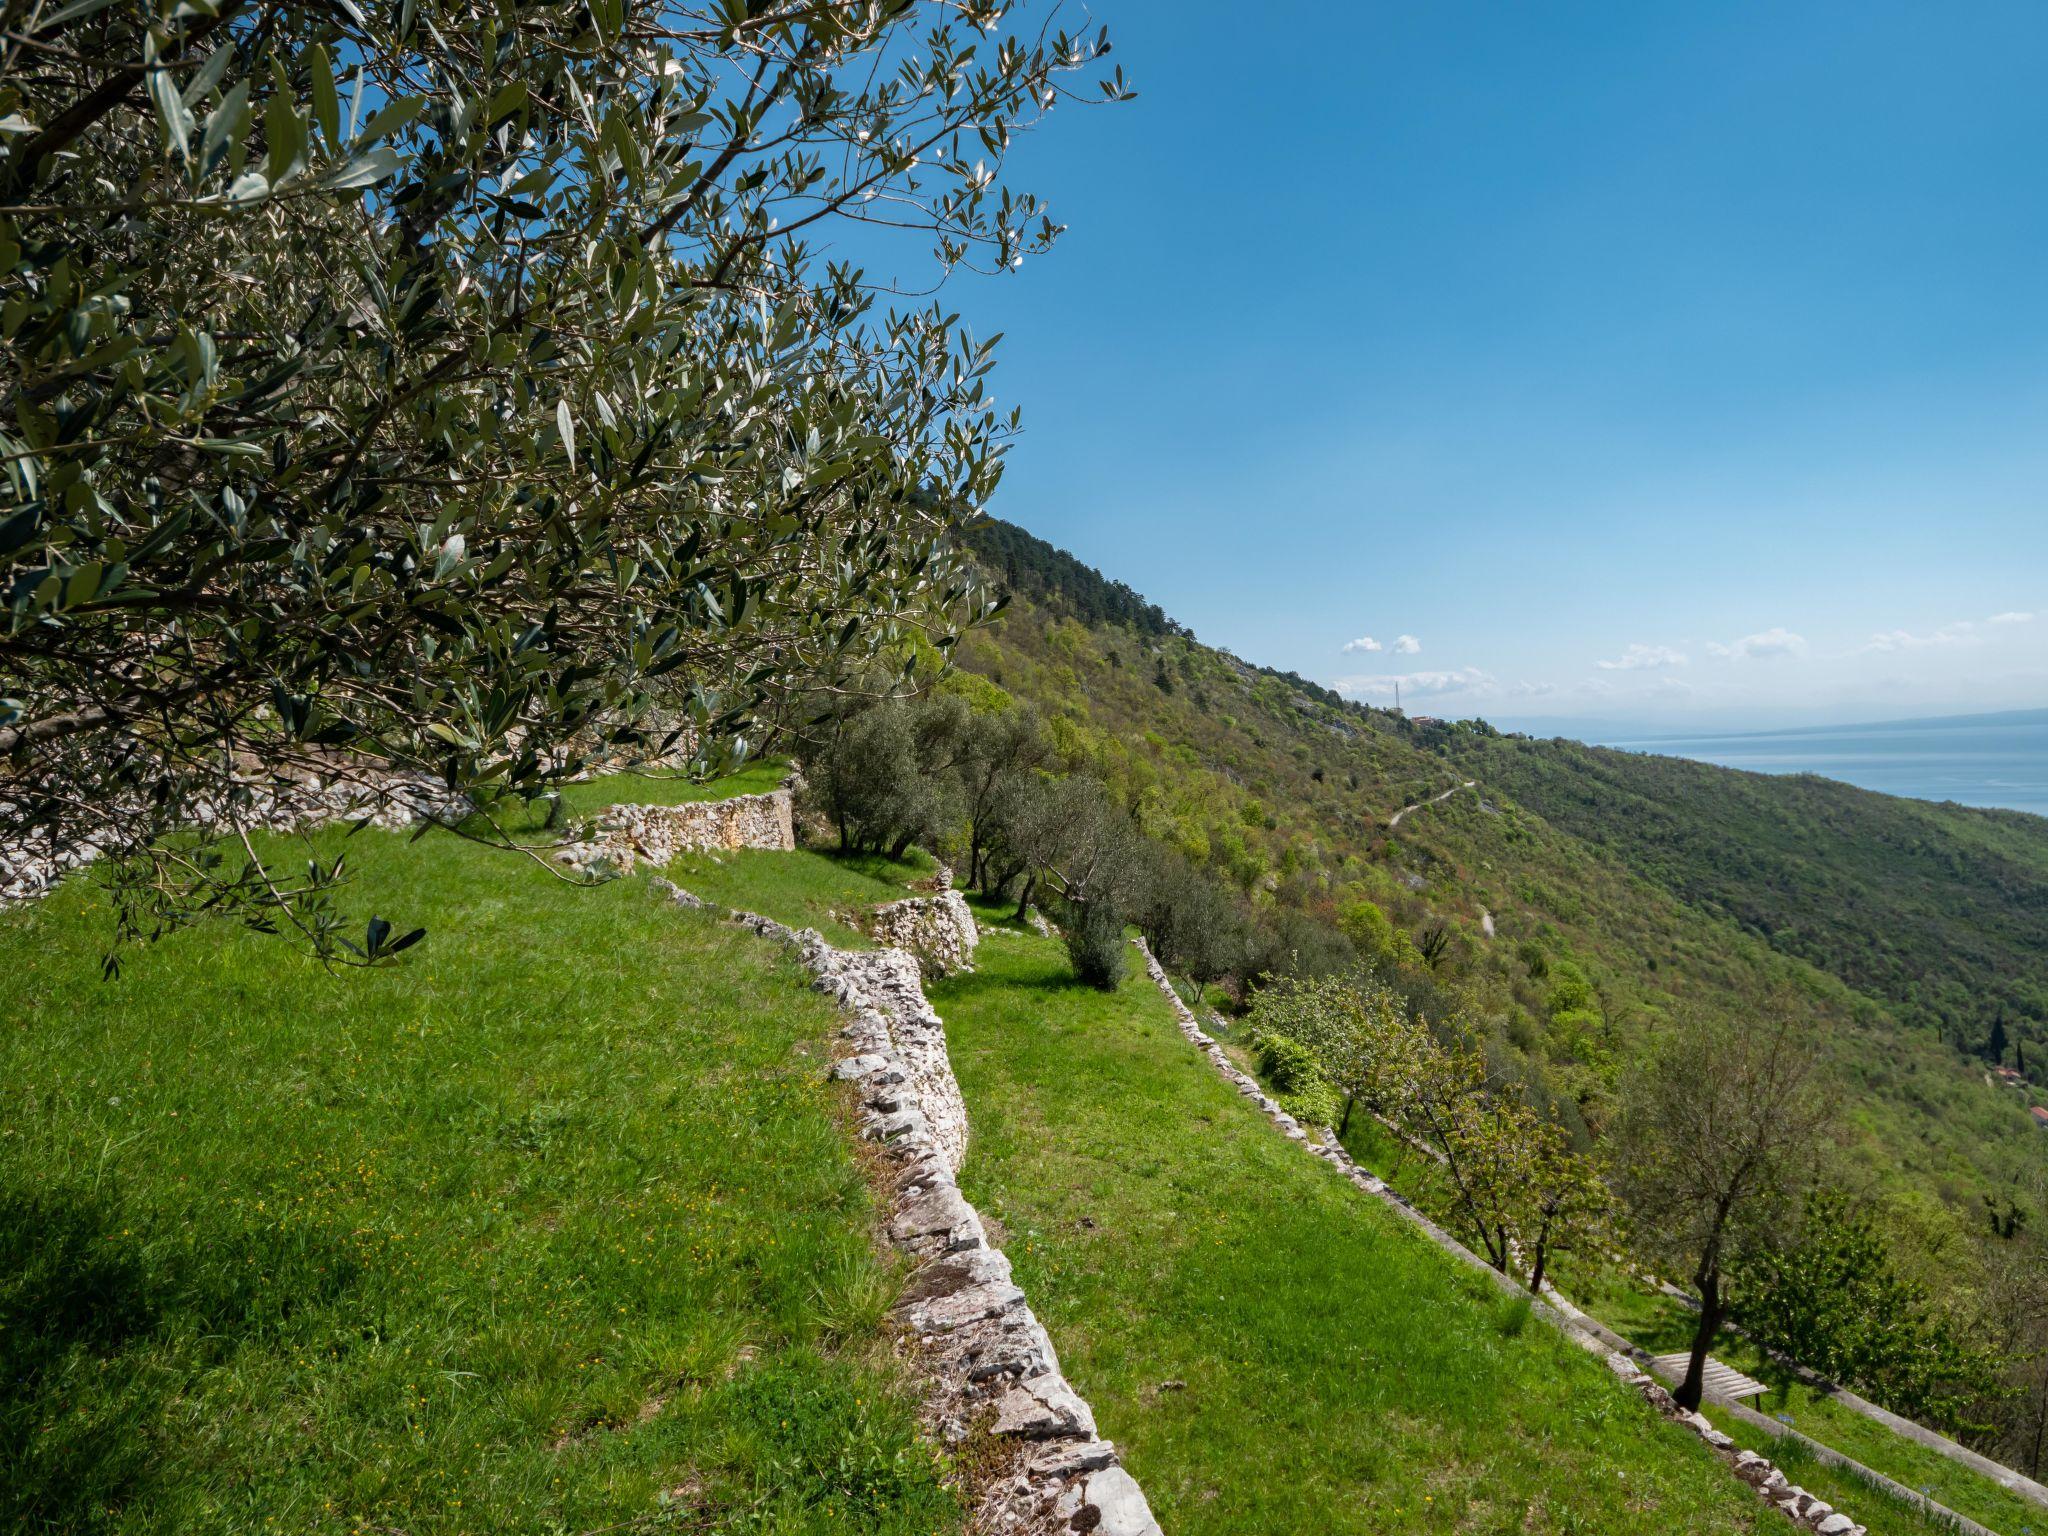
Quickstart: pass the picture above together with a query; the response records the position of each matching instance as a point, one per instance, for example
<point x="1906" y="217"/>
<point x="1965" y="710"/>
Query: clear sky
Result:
<point x="1645" y="362"/>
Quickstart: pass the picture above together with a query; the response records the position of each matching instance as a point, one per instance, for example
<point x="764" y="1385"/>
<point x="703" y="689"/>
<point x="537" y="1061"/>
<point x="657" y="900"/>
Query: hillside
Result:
<point x="1935" y="910"/>
<point x="559" y="1226"/>
<point x="1293" y="795"/>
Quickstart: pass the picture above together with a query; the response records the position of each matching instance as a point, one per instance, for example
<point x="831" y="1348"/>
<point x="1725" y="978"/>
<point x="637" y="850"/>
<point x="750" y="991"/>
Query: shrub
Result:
<point x="1095" y="944"/>
<point x="1296" y="1079"/>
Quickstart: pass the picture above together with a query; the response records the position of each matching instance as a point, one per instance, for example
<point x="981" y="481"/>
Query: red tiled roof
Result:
<point x="2040" y="1113"/>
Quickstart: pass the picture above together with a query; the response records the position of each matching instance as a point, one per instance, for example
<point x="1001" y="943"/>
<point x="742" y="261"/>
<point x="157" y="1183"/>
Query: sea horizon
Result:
<point x="1989" y="762"/>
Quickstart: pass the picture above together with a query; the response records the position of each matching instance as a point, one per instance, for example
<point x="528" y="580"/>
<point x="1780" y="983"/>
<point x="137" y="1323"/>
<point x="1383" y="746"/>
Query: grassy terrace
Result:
<point x="1273" y="1352"/>
<point x="551" y="1222"/>
<point x="1300" y="1361"/>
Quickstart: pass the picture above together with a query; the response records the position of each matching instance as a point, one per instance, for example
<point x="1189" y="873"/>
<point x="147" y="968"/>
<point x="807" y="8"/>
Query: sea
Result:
<point x="1982" y="760"/>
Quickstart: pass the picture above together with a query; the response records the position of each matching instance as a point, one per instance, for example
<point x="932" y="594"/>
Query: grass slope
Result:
<point x="1273" y="1352"/>
<point x="553" y="1219"/>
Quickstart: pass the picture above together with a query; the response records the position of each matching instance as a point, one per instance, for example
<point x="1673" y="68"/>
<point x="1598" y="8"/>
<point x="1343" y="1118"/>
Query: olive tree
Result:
<point x="458" y="388"/>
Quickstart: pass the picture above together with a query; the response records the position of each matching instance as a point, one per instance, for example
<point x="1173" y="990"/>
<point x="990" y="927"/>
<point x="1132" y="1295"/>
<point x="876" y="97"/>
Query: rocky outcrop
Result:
<point x="992" y="1367"/>
<point x="1799" y="1506"/>
<point x="621" y="836"/>
<point x="938" y="929"/>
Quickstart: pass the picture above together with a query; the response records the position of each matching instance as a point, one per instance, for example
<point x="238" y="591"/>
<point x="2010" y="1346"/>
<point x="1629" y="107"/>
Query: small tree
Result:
<point x="1717" y="1134"/>
<point x="1570" y="1204"/>
<point x="1072" y="838"/>
<point x="870" y="779"/>
<point x="1191" y="923"/>
<point x="1002" y="749"/>
<point x="1834" y="1300"/>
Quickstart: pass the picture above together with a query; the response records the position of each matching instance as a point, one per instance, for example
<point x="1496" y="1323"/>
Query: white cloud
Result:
<point x="1362" y="643"/>
<point x="1455" y="680"/>
<point x="1964" y="633"/>
<point x="1644" y="658"/>
<point x="1407" y="645"/>
<point x="2010" y="618"/>
<point x="1778" y="641"/>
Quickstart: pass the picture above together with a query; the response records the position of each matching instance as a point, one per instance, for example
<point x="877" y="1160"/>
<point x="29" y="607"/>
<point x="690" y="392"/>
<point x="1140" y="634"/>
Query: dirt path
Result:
<point x="1394" y="820"/>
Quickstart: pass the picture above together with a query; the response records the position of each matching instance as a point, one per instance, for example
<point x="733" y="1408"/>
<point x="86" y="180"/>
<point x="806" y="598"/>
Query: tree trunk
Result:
<point x="2040" y="1427"/>
<point x="1024" y="900"/>
<point x="902" y="845"/>
<point x="1536" y="1274"/>
<point x="1690" y="1390"/>
<point x="1344" y="1124"/>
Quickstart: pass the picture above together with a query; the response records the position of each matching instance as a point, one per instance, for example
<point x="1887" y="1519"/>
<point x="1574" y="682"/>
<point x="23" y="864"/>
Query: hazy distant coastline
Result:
<point x="1998" y="761"/>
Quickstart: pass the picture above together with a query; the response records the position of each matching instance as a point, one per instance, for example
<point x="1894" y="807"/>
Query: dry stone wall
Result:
<point x="939" y="929"/>
<point x="1802" y="1508"/>
<point x="620" y="836"/>
<point x="992" y="1365"/>
<point x="31" y="866"/>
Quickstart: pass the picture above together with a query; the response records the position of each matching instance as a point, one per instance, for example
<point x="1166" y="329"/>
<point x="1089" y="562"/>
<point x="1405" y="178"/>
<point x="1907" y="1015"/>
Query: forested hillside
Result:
<point x="1940" y="911"/>
<point x="1897" y="931"/>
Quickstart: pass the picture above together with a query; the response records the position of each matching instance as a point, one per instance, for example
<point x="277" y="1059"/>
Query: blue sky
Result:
<point x="1558" y="336"/>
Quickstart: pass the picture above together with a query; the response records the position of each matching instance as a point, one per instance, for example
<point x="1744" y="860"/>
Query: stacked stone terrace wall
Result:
<point x="992" y="1367"/>
<point x="621" y="836"/>
<point x="939" y="929"/>
<point x="32" y="866"/>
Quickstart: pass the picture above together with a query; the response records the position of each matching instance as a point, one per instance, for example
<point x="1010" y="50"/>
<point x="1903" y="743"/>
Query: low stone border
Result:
<point x="1802" y="1508"/>
<point x="992" y="1366"/>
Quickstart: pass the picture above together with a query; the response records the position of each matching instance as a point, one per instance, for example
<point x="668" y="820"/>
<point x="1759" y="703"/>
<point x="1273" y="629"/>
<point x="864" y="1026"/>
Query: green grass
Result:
<point x="664" y="789"/>
<point x="550" y="1221"/>
<point x="1880" y="1511"/>
<point x="806" y="890"/>
<point x="1661" y="1324"/>
<point x="1274" y="1352"/>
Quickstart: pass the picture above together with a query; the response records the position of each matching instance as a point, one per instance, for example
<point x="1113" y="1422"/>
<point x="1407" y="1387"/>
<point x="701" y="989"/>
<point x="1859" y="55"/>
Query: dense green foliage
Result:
<point x="1834" y="1300"/>
<point x="550" y="1229"/>
<point x="455" y="386"/>
<point x="1032" y="568"/>
<point x="1937" y="911"/>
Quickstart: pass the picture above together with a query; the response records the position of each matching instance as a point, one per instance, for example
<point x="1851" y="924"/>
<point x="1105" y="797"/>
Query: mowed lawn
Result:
<point x="1273" y="1351"/>
<point x="553" y="1227"/>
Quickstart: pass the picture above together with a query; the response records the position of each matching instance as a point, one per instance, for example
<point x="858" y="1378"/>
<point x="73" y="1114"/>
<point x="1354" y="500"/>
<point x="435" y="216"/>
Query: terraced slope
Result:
<point x="553" y="1228"/>
<point x="1273" y="1352"/>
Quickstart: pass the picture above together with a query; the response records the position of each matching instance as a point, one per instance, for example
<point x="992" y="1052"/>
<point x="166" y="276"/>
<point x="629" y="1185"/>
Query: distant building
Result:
<point x="2040" y="1114"/>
